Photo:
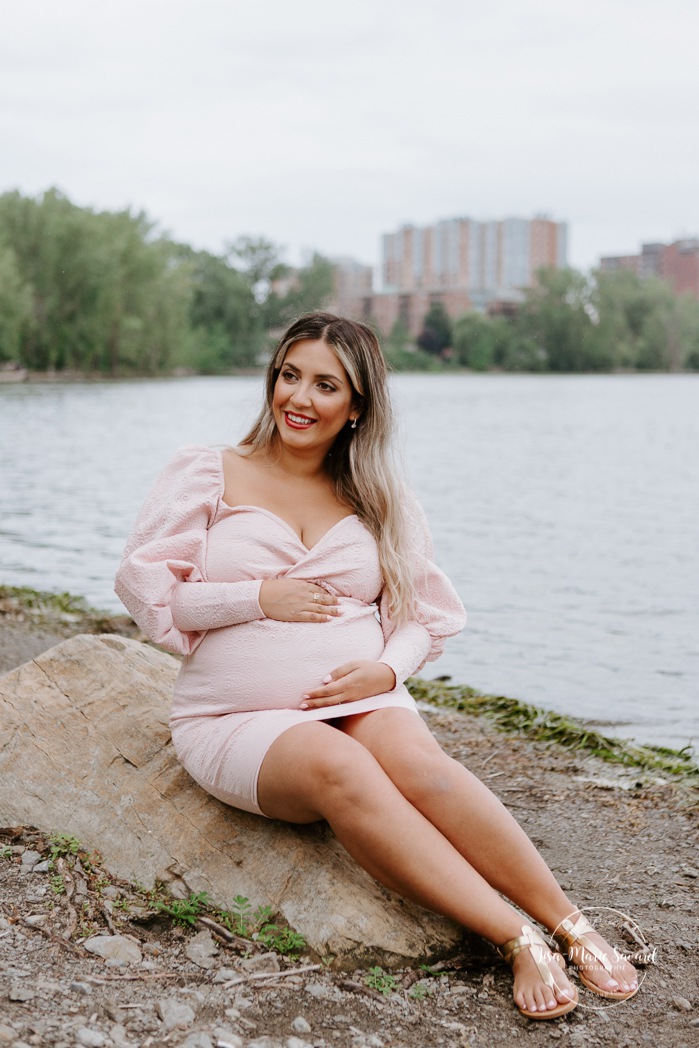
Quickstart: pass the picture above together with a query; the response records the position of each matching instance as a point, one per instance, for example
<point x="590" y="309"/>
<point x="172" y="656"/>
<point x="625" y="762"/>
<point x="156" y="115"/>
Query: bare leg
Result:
<point x="314" y="771"/>
<point x="474" y="821"/>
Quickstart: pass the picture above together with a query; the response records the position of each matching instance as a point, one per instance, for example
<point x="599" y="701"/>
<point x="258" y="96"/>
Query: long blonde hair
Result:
<point x="362" y="463"/>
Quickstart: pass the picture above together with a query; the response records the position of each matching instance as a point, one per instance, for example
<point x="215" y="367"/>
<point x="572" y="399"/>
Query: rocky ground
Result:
<point x="86" y="960"/>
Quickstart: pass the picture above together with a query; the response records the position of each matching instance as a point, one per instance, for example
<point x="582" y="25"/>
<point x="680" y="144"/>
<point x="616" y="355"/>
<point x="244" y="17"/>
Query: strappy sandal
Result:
<point x="575" y="935"/>
<point x="543" y="958"/>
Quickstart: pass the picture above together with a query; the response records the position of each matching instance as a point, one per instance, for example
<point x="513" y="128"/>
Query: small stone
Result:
<point x="152" y="949"/>
<point x="120" y="948"/>
<point x="175" y="1013"/>
<point x="81" y="987"/>
<point x="318" y="989"/>
<point x="690" y="872"/>
<point x="20" y="993"/>
<point x="7" y="1034"/>
<point x="37" y="920"/>
<point x="30" y="858"/>
<point x="110" y="892"/>
<point x="197" y="1040"/>
<point x="264" y="962"/>
<point x="681" y="1004"/>
<point x="42" y="867"/>
<point x="225" y="1038"/>
<point x="119" y="1036"/>
<point x="90" y="1038"/>
<point x="225" y="975"/>
<point x="694" y="1022"/>
<point x="296" y="1042"/>
<point x="202" y="950"/>
<point x="301" y="1025"/>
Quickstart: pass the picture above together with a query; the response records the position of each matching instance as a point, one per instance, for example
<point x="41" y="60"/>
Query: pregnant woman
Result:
<point x="293" y="573"/>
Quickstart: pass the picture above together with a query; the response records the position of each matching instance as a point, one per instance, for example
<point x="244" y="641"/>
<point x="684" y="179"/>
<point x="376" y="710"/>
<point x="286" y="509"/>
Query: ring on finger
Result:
<point x="315" y="598"/>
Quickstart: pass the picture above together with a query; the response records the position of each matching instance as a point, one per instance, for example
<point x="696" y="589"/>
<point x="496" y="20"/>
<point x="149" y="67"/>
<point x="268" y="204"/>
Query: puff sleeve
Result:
<point x="439" y="613"/>
<point x="166" y="553"/>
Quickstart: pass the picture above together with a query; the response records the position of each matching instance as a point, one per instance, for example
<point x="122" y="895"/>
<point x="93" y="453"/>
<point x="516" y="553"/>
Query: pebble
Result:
<point x="224" y="975"/>
<point x="37" y="920"/>
<point x="90" y="1038"/>
<point x="110" y="892"/>
<point x="296" y="1042"/>
<point x="175" y="1013"/>
<point x="81" y="987"/>
<point x="301" y="1025"/>
<point x="120" y="948"/>
<point x="318" y="989"/>
<point x="681" y="1004"/>
<point x="119" y="1036"/>
<point x="30" y="858"/>
<point x="21" y="993"/>
<point x="197" y="1040"/>
<point x="202" y="950"/>
<point x="225" y="1038"/>
<point x="42" y="867"/>
<point x="7" y="1034"/>
<point x="264" y="962"/>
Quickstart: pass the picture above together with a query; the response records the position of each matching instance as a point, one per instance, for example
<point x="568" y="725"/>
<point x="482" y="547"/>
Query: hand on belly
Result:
<point x="348" y="683"/>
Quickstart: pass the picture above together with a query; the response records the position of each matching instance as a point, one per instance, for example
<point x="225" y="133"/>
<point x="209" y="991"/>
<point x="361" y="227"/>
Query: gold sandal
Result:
<point x="543" y="958"/>
<point x="572" y="936"/>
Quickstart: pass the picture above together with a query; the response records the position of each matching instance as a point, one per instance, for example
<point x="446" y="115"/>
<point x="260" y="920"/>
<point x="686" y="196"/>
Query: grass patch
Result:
<point x="520" y="718"/>
<point x="45" y="608"/>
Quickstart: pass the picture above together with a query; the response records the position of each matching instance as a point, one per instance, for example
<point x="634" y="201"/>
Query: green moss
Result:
<point x="520" y="718"/>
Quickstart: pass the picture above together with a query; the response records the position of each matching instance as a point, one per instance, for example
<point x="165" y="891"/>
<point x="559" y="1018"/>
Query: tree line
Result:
<point x="570" y="321"/>
<point x="105" y="292"/>
<point x="89" y="291"/>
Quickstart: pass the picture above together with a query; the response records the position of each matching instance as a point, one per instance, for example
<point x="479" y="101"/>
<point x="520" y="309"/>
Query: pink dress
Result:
<point x="191" y="575"/>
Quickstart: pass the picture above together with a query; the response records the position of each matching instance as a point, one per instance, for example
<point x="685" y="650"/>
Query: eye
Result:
<point x="327" y="387"/>
<point x="288" y="376"/>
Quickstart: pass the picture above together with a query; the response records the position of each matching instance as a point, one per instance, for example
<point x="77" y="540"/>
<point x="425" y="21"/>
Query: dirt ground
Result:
<point x="619" y="841"/>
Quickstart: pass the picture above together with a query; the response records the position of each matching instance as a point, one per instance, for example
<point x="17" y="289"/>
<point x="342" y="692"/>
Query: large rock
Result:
<point x="85" y="750"/>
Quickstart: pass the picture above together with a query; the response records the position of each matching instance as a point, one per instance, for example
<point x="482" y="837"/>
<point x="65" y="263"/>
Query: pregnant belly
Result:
<point x="269" y="665"/>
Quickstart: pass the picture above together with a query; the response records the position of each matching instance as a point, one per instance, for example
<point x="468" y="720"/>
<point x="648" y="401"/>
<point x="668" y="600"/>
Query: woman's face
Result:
<point x="313" y="397"/>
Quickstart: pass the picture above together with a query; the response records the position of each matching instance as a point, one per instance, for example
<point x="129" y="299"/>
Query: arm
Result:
<point x="161" y="576"/>
<point x="439" y="613"/>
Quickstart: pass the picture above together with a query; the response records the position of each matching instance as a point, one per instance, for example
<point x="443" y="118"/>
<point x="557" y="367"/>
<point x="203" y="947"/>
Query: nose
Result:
<point x="301" y="394"/>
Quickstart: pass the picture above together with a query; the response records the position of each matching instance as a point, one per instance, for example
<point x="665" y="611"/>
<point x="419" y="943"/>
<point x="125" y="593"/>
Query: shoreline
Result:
<point x="621" y="837"/>
<point x="35" y="620"/>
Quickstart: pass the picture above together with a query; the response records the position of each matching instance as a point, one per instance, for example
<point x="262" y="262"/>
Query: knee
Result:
<point x="343" y="775"/>
<point x="422" y="772"/>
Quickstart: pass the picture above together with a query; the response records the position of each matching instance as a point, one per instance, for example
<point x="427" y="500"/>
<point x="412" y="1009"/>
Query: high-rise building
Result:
<point x="465" y="264"/>
<point x="677" y="263"/>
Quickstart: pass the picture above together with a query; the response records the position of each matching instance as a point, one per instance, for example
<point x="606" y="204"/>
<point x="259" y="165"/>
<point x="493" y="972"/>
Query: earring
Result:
<point x="354" y="424"/>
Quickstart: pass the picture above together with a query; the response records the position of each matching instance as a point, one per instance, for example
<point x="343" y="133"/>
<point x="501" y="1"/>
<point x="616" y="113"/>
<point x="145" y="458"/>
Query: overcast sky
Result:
<point x="321" y="124"/>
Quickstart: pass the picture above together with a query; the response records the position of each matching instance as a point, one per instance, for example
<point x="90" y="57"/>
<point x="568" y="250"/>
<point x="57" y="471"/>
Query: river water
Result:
<point x="564" y="508"/>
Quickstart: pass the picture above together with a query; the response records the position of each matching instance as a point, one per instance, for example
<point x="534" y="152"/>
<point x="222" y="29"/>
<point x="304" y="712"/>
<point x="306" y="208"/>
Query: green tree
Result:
<point x="557" y="318"/>
<point x="226" y="319"/>
<point x="436" y="335"/>
<point x="482" y="342"/>
<point x="15" y="306"/>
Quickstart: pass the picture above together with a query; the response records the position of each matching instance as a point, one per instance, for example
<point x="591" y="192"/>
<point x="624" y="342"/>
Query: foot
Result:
<point x="601" y="968"/>
<point x="541" y="989"/>
<point x="531" y="994"/>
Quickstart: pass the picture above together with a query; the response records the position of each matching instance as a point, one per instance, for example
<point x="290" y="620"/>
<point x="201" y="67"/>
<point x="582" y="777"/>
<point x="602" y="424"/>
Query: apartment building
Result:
<point x="677" y="263"/>
<point x="464" y="264"/>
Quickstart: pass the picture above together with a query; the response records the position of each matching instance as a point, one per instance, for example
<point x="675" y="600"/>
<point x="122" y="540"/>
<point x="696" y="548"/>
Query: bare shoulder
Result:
<point x="241" y="469"/>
